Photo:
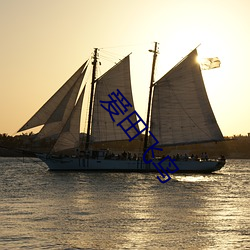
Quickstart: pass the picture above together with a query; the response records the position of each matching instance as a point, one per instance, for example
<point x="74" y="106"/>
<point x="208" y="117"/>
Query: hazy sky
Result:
<point x="44" y="42"/>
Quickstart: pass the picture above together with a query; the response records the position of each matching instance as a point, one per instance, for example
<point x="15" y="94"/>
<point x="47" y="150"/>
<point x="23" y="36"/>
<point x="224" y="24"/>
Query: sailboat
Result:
<point x="178" y="106"/>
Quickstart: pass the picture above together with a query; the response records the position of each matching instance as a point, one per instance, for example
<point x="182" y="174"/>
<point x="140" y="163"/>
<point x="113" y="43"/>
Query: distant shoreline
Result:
<point x="13" y="153"/>
<point x="4" y="152"/>
<point x="236" y="147"/>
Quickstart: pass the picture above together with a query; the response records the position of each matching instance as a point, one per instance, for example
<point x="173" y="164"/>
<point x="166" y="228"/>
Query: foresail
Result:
<point x="61" y="114"/>
<point x="103" y="128"/>
<point x="181" y="112"/>
<point x="69" y="136"/>
<point x="45" y="112"/>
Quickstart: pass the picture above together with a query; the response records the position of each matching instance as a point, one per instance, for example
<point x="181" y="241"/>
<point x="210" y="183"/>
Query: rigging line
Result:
<point x="110" y="53"/>
<point x="113" y="57"/>
<point x="107" y="56"/>
<point x="109" y="59"/>
<point x="125" y="45"/>
<point x="107" y="52"/>
<point x="111" y="69"/>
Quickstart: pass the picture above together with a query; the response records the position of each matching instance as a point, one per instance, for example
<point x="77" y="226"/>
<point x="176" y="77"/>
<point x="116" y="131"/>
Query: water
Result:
<point x="40" y="209"/>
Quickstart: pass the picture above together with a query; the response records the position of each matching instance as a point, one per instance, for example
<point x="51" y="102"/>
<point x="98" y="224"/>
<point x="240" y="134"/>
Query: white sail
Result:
<point x="61" y="114"/>
<point x="69" y="136"/>
<point x="103" y="127"/>
<point x="181" y="112"/>
<point x="45" y="112"/>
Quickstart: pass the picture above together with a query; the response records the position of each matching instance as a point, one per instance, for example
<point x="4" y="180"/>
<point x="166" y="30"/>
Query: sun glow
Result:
<point x="198" y="60"/>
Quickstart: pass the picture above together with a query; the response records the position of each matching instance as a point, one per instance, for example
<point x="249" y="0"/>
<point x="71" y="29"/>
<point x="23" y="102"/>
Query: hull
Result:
<point x="81" y="164"/>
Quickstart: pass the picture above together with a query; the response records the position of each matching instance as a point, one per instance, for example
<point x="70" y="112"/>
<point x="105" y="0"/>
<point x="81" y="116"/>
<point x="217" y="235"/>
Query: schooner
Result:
<point x="178" y="106"/>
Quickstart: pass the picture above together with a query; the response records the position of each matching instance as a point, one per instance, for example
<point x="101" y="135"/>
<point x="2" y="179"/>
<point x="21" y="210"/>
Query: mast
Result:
<point x="150" y="95"/>
<point x="91" y="100"/>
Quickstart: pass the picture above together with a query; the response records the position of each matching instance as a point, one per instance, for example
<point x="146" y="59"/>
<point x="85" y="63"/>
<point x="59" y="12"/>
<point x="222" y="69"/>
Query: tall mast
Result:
<point x="91" y="100"/>
<point x="155" y="52"/>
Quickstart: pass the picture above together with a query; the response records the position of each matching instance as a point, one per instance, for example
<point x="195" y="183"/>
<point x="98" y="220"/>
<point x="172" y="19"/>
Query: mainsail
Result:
<point x="69" y="136"/>
<point x="103" y="128"/>
<point x="181" y="112"/>
<point x="45" y="112"/>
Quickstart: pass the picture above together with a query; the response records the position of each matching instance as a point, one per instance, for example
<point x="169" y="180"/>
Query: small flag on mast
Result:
<point x="210" y="63"/>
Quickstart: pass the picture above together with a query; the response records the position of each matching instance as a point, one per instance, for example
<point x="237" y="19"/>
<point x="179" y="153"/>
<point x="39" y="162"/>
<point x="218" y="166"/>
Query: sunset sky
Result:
<point x="44" y="42"/>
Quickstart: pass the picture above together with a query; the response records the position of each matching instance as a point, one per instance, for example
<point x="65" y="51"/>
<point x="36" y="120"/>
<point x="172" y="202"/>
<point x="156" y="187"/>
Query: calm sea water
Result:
<point x="40" y="209"/>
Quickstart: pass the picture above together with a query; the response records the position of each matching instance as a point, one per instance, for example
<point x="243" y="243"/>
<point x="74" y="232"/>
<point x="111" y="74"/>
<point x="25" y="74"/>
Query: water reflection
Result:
<point x="42" y="209"/>
<point x="193" y="178"/>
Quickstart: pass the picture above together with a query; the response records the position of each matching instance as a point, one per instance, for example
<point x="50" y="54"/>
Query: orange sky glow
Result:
<point x="44" y="42"/>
